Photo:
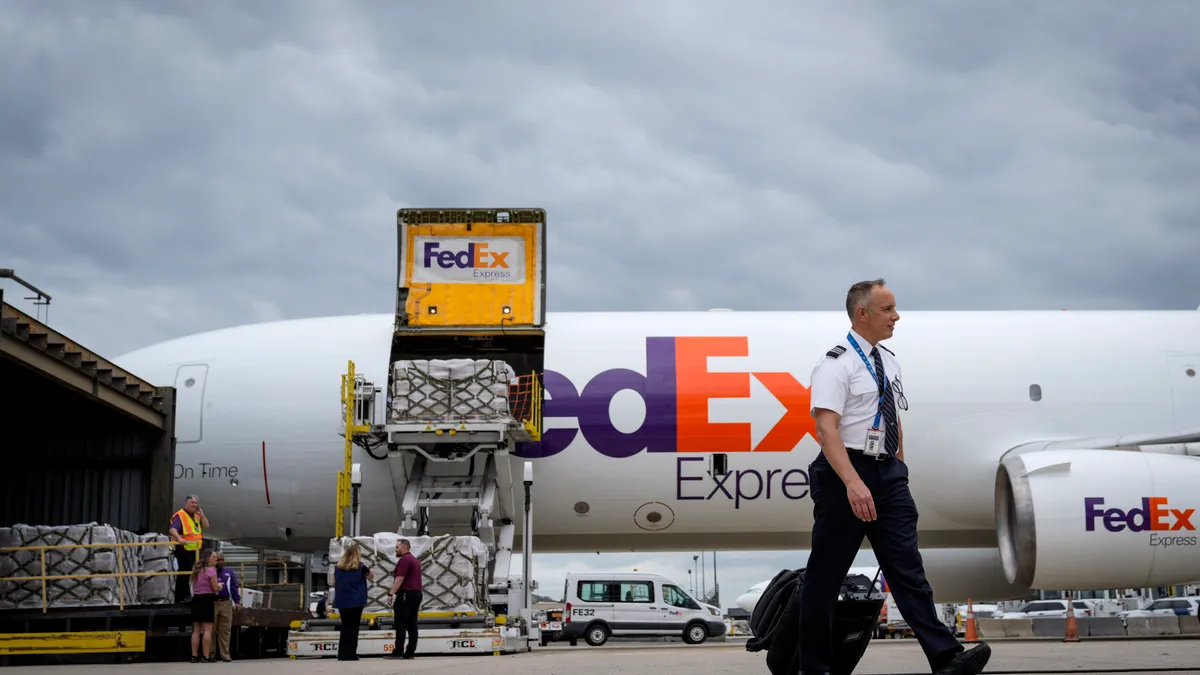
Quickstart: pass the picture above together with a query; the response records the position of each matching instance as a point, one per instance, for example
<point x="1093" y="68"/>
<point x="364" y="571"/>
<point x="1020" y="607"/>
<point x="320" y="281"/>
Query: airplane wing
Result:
<point x="1117" y="441"/>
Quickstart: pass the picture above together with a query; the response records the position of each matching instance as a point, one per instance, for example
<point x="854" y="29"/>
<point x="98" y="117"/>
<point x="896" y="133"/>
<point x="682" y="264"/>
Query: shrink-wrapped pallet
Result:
<point x="458" y="389"/>
<point x="77" y="561"/>
<point x="156" y="590"/>
<point x="453" y="570"/>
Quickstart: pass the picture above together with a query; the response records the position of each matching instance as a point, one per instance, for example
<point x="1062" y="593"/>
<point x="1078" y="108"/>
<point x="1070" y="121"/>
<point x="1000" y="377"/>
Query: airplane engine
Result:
<point x="960" y="574"/>
<point x="1085" y="519"/>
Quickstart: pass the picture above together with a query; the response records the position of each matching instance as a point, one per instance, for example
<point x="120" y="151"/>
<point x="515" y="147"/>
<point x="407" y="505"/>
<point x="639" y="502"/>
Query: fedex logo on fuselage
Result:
<point x="476" y="255"/>
<point x="1154" y="515"/>
<point x="676" y="388"/>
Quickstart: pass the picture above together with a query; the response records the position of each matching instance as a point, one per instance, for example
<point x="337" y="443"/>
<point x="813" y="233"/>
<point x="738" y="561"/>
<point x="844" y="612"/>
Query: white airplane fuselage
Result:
<point x="638" y="403"/>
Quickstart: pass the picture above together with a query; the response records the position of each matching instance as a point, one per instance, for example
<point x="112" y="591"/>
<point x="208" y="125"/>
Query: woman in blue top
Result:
<point x="350" y="578"/>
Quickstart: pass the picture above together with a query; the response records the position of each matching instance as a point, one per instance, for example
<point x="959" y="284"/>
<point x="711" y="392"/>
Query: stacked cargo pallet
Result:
<point x="450" y="389"/>
<point x="83" y="562"/>
<point x="156" y="590"/>
<point x="453" y="570"/>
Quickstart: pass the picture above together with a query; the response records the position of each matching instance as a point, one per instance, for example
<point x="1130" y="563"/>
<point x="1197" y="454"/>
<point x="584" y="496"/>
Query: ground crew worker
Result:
<point x="859" y="486"/>
<point x="228" y="597"/>
<point x="405" y="597"/>
<point x="187" y="531"/>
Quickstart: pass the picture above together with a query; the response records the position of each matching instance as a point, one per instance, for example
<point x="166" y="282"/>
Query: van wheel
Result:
<point x="597" y="634"/>
<point x="695" y="633"/>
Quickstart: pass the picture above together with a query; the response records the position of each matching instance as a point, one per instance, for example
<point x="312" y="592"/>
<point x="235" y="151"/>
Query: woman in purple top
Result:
<point x="205" y="587"/>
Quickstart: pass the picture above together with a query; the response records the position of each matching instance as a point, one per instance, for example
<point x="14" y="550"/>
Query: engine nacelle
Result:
<point x="1087" y="519"/>
<point x="961" y="574"/>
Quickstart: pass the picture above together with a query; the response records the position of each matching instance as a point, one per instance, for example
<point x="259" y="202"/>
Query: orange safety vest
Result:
<point x="192" y="536"/>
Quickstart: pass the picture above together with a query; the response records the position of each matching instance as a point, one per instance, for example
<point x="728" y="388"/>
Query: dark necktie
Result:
<point x="887" y="407"/>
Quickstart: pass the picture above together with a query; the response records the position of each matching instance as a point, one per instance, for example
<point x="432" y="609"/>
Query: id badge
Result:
<point x="874" y="446"/>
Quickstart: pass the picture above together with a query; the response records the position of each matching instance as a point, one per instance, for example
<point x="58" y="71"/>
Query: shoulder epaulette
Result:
<point x="887" y="350"/>
<point x="836" y="352"/>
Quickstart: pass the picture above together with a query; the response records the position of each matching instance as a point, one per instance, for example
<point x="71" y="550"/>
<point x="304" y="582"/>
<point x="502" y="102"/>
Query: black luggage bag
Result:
<point x="775" y="622"/>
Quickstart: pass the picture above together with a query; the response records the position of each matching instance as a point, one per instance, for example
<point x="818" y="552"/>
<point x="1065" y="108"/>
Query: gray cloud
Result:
<point x="169" y="168"/>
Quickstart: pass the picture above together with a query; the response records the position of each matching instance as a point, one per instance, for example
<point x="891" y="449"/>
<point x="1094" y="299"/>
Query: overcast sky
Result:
<point x="168" y="168"/>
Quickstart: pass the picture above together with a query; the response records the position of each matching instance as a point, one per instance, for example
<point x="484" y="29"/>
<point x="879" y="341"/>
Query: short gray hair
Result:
<point x="860" y="294"/>
<point x="190" y="498"/>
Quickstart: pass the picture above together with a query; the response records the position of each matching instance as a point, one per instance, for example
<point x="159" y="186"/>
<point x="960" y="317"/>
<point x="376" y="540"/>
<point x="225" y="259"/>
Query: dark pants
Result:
<point x="348" y="635"/>
<point x="186" y="560"/>
<point x="837" y="535"/>
<point x="405" y="609"/>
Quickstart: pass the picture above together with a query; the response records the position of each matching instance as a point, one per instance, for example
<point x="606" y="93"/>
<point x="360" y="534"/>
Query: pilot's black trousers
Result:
<point x="837" y="535"/>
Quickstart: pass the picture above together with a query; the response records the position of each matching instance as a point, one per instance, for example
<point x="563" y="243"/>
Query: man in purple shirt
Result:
<point x="405" y="597"/>
<point x="229" y="597"/>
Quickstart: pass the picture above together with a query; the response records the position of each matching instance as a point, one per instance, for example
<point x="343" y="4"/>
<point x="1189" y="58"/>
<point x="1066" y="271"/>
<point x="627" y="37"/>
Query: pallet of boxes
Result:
<point x="83" y="555"/>
<point x="450" y="389"/>
<point x="455" y="615"/>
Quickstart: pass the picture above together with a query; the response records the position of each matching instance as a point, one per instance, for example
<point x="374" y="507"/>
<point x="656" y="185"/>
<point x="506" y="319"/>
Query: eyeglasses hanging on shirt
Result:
<point x="901" y="402"/>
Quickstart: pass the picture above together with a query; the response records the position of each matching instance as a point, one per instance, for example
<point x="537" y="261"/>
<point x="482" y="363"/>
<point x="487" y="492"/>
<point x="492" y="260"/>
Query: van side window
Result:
<point x="599" y="591"/>
<point x="615" y="591"/>
<point x="675" y="597"/>
<point x="636" y="591"/>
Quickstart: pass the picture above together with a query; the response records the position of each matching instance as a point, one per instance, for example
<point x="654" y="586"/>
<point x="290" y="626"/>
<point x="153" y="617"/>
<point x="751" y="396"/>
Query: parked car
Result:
<point x="1185" y="606"/>
<point x="1048" y="609"/>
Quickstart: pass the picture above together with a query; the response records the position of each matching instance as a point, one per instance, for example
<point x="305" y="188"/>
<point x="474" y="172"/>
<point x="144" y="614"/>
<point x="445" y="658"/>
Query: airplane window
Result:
<point x="720" y="464"/>
<point x="1035" y="392"/>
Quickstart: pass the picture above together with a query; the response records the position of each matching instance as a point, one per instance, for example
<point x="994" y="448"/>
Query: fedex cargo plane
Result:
<point x="1047" y="449"/>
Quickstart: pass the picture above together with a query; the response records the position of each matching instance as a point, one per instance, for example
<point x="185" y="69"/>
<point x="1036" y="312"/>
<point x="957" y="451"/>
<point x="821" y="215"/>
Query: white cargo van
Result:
<point x="599" y="605"/>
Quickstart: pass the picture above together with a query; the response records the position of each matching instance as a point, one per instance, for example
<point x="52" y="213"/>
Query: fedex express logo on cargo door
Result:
<point x="676" y="388"/>
<point x="469" y="259"/>
<point x="1154" y="516"/>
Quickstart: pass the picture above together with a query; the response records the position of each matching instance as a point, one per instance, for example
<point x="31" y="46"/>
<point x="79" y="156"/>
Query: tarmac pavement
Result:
<point x="892" y="657"/>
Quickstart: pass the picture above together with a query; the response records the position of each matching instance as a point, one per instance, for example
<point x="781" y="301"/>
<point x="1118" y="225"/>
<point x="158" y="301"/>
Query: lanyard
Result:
<point x="886" y="384"/>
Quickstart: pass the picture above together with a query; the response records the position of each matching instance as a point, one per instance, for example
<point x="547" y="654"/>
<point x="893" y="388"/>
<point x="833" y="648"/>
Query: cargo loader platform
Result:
<point x="464" y="387"/>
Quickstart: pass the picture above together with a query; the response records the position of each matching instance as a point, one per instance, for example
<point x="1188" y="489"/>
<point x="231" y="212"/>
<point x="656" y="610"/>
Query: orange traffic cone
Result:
<point x="971" y="634"/>
<point x="1072" y="628"/>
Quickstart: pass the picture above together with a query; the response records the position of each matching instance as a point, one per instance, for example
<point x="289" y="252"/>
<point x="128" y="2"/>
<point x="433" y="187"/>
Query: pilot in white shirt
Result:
<point x="842" y="383"/>
<point x="859" y="487"/>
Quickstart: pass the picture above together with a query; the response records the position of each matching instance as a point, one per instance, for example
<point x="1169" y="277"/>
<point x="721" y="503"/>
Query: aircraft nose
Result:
<point x="746" y="601"/>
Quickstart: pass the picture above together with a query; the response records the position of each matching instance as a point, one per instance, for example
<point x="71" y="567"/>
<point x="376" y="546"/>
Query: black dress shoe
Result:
<point x="969" y="662"/>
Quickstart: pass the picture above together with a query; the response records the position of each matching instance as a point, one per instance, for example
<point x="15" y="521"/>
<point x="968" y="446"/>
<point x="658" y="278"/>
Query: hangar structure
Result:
<point x="86" y="499"/>
<point x="84" y="439"/>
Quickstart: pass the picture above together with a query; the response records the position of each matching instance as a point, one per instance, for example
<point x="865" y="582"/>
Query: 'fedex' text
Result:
<point x="676" y="389"/>
<point x="1154" y="516"/>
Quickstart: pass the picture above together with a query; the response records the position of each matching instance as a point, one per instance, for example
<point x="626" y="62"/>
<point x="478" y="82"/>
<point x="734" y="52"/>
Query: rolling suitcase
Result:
<point x="775" y="622"/>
